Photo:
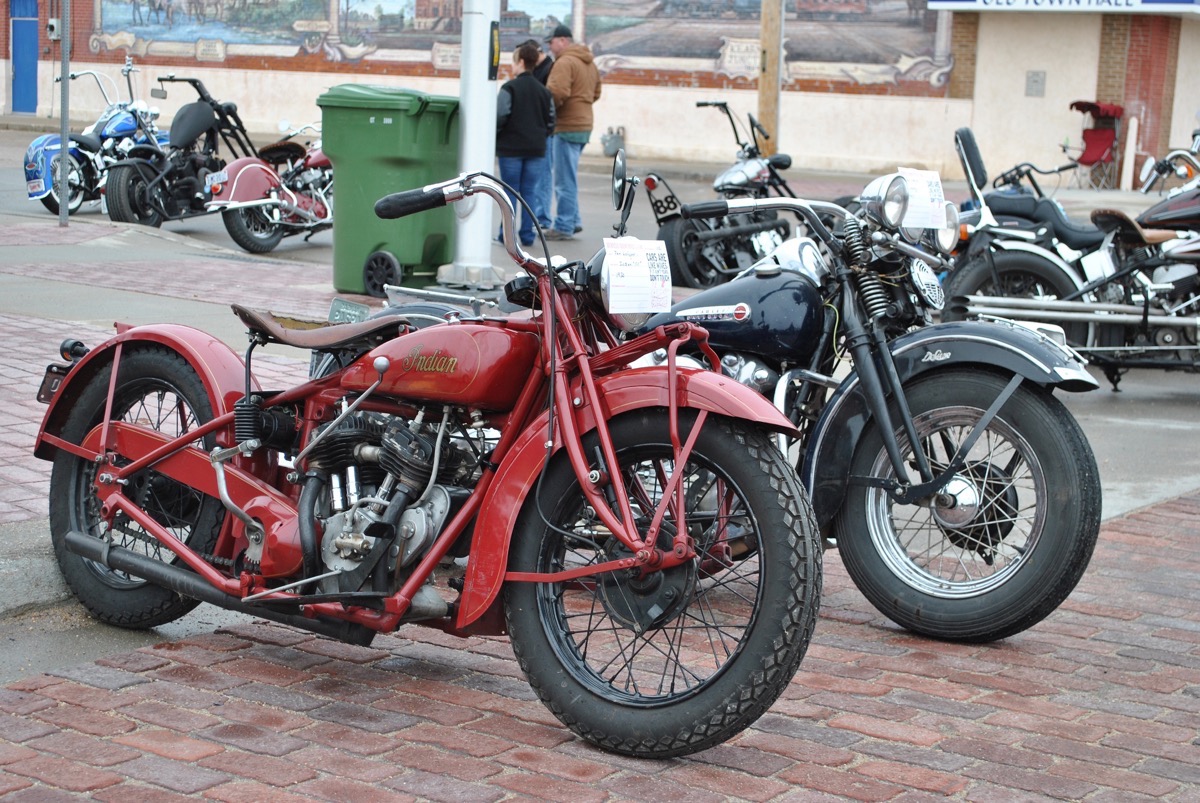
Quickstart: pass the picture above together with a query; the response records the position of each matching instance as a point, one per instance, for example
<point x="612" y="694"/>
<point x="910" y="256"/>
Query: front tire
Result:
<point x="129" y="199"/>
<point x="1016" y="275"/>
<point x="1010" y="535"/>
<point x="75" y="184"/>
<point x="252" y="230"/>
<point x="156" y="389"/>
<point x="679" y="660"/>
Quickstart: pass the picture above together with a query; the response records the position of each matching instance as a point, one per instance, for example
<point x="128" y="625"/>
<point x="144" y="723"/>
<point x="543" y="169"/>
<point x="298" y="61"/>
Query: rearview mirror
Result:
<point x="159" y="93"/>
<point x="619" y="184"/>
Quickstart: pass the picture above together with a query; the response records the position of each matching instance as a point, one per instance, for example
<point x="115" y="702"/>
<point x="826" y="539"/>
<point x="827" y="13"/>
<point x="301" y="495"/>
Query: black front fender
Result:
<point x="996" y="345"/>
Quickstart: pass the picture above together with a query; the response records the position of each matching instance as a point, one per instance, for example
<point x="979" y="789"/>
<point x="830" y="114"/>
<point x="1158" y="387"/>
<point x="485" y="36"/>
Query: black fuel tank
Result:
<point x="1181" y="211"/>
<point x="774" y="315"/>
<point x="190" y="123"/>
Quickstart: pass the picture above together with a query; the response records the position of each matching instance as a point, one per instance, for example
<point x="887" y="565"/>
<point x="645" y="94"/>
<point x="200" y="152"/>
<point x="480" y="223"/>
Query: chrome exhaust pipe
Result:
<point x="1055" y="311"/>
<point x="189" y="584"/>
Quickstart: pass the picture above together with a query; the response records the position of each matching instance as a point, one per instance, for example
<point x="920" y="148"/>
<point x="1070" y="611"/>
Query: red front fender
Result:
<point x="247" y="179"/>
<point x="620" y="393"/>
<point x="219" y="368"/>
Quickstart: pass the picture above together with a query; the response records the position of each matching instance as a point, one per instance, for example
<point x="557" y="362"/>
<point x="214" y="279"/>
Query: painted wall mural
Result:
<point x="827" y="43"/>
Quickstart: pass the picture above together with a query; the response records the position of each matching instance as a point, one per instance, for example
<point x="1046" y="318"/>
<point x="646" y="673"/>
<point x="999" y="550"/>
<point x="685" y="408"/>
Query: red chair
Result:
<point x="1096" y="162"/>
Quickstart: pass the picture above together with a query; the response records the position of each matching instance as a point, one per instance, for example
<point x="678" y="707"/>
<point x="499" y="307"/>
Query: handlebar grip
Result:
<point x="409" y="202"/>
<point x="705" y="209"/>
<point x="702" y="103"/>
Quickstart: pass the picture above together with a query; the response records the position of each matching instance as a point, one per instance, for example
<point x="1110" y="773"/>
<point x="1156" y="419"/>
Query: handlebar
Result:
<point x="409" y="202"/>
<point x="431" y="196"/>
<point x="1166" y="165"/>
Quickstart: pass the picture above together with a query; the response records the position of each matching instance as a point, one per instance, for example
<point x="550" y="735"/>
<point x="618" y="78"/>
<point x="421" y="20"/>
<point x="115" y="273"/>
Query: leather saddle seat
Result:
<point x="319" y="336"/>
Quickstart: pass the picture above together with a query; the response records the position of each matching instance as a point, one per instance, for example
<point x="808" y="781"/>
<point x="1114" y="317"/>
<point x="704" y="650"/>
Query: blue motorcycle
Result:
<point x="120" y="126"/>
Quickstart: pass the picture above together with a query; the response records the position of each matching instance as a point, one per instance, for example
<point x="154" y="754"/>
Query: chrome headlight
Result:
<point x="885" y="200"/>
<point x="948" y="234"/>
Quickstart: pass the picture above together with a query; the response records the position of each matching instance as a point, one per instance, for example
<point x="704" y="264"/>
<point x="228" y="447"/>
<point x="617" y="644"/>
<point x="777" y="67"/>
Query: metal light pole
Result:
<point x="477" y="146"/>
<point x="64" y="158"/>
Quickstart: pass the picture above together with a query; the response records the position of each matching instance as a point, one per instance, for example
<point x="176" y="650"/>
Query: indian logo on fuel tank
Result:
<point x="728" y="312"/>
<point x="433" y="363"/>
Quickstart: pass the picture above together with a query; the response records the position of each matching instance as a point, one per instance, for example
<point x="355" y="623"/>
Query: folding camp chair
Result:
<point x="1096" y="161"/>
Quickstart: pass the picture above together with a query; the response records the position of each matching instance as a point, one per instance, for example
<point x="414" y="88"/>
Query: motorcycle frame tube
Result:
<point x="993" y="345"/>
<point x="220" y="370"/>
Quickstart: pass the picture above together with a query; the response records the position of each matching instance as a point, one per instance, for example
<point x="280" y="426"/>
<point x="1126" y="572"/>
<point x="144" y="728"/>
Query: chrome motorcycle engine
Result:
<point x="390" y="486"/>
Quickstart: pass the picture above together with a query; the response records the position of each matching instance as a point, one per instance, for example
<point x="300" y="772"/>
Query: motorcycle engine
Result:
<point x="390" y="485"/>
<point x="1184" y="282"/>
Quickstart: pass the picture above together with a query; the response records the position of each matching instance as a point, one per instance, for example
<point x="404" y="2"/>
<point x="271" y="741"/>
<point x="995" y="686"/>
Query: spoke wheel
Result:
<point x="157" y="390"/>
<point x="693" y="264"/>
<point x="1005" y="539"/>
<point x="75" y="186"/>
<point x="252" y="229"/>
<point x="670" y="662"/>
<point x="1016" y="275"/>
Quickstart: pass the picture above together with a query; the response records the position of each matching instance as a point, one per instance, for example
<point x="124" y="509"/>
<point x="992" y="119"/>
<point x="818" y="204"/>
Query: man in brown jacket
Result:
<point x="575" y="84"/>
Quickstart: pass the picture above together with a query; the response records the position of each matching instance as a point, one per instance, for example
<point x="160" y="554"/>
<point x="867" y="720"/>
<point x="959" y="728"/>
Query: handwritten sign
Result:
<point x="926" y="201"/>
<point x="638" y="275"/>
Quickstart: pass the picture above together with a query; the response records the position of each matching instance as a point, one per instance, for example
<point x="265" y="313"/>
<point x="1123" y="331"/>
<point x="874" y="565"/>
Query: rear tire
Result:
<point x="128" y="199"/>
<point x="159" y="390"/>
<point x="691" y="264"/>
<point x="252" y="230"/>
<point x="1021" y="275"/>
<point x="683" y="659"/>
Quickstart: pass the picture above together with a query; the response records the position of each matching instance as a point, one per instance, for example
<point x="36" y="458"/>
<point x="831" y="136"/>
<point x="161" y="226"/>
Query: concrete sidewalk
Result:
<point x="1100" y="701"/>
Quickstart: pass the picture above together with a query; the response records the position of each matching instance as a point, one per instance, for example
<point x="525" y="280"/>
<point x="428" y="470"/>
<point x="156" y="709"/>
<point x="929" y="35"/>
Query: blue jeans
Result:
<point x="566" y="184"/>
<point x="525" y="175"/>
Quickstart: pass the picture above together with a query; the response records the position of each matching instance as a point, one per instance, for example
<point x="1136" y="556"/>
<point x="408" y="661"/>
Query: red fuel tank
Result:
<point x="475" y="365"/>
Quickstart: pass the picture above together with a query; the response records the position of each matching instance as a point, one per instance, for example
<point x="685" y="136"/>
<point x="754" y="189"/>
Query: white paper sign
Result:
<point x="638" y="274"/>
<point x="926" y="202"/>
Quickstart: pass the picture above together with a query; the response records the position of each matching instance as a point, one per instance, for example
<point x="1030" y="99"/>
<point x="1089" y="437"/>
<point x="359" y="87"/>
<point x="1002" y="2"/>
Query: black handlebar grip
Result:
<point x="705" y="209"/>
<point x="966" y="140"/>
<point x="409" y="202"/>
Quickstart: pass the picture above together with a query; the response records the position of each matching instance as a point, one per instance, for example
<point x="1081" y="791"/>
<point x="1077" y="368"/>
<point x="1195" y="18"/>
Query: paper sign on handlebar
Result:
<point x="637" y="274"/>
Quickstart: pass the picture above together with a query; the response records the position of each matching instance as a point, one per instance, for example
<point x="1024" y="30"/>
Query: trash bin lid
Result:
<point x="366" y="96"/>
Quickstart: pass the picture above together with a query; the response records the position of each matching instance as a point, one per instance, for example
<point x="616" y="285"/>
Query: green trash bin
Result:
<point x="383" y="140"/>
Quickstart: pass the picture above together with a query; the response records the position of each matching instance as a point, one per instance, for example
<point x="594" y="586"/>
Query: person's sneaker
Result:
<point x="555" y="234"/>
<point x="578" y="229"/>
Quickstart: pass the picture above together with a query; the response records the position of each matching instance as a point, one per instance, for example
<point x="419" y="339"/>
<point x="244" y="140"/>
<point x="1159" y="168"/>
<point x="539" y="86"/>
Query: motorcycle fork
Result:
<point x="617" y="515"/>
<point x="865" y="345"/>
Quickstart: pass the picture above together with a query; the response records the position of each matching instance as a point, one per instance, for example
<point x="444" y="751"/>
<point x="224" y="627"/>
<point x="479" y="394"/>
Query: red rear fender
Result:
<point x="248" y="179"/>
<point x="219" y="368"/>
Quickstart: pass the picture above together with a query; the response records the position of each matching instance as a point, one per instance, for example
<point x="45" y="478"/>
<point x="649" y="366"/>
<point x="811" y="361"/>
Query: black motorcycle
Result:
<point x="963" y="496"/>
<point x="154" y="184"/>
<point x="703" y="253"/>
<point x="1126" y="291"/>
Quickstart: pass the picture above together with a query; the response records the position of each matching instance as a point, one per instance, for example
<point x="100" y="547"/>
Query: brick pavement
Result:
<point x="1101" y="701"/>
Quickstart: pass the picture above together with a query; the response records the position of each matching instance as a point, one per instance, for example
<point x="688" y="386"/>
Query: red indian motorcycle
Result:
<point x="286" y="189"/>
<point x="651" y="555"/>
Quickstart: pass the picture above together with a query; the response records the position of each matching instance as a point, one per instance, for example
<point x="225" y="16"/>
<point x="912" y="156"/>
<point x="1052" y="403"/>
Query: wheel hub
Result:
<point x="644" y="602"/>
<point x="986" y="491"/>
<point x="957" y="503"/>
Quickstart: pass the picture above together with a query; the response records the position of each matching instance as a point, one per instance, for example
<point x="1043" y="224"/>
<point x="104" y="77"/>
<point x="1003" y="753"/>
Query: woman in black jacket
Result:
<point x="524" y="119"/>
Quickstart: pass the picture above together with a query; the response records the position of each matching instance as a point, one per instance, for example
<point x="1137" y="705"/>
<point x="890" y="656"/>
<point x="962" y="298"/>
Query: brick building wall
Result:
<point x="964" y="42"/>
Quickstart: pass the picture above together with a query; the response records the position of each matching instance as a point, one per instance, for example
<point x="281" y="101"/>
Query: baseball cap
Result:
<point x="560" y="30"/>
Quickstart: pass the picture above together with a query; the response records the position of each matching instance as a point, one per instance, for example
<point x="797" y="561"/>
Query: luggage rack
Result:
<point x="1096" y="159"/>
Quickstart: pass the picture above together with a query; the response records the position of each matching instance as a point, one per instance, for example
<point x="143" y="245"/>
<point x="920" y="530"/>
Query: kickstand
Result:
<point x="1114" y="377"/>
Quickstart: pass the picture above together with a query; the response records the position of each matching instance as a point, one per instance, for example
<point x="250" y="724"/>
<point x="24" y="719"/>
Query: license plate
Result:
<point x="36" y="186"/>
<point x="51" y="382"/>
<point x="220" y="177"/>
<point x="343" y="311"/>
